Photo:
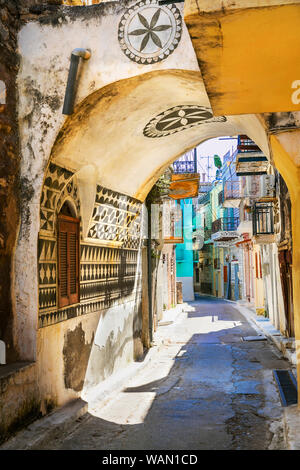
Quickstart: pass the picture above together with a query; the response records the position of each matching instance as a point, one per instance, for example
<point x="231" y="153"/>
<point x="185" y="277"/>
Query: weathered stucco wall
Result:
<point x="120" y="139"/>
<point x="80" y="345"/>
<point x="117" y="134"/>
<point x="9" y="169"/>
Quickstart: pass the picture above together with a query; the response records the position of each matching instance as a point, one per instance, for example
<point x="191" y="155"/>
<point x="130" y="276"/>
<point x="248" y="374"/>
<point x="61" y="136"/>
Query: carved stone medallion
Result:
<point x="178" y="119"/>
<point x="148" y="32"/>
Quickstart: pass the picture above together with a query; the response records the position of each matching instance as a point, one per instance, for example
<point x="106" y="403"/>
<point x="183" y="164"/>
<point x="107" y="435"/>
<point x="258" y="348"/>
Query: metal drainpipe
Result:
<point x="149" y="274"/>
<point x="85" y="54"/>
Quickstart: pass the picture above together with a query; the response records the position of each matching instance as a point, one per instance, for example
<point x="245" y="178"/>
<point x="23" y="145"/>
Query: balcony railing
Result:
<point x="232" y="190"/>
<point x="246" y="145"/>
<point x="263" y="219"/>
<point x="185" y="167"/>
<point x="207" y="234"/>
<point x="225" y="224"/>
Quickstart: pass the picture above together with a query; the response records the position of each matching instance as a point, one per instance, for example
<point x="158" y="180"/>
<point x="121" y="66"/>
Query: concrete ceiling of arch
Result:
<point x="131" y="130"/>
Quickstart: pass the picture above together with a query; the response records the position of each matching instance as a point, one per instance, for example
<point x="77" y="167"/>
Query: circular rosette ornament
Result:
<point x="178" y="119"/>
<point x="149" y="32"/>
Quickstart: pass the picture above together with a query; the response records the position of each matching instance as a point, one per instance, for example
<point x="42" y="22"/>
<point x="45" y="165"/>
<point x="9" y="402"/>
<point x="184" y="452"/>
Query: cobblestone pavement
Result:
<point x="205" y="389"/>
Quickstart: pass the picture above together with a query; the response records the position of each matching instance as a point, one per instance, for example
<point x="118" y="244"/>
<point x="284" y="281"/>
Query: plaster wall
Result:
<point x="76" y="355"/>
<point x="187" y="288"/>
<point x="116" y="150"/>
<point x="104" y="142"/>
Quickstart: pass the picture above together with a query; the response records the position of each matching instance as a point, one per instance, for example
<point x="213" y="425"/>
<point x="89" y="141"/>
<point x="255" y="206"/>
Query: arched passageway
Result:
<point x="130" y="122"/>
<point x="105" y="159"/>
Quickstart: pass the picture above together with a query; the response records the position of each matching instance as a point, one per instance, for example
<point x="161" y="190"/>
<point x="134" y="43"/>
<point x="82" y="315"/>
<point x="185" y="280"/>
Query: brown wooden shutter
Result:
<point x="225" y="274"/>
<point x="68" y="260"/>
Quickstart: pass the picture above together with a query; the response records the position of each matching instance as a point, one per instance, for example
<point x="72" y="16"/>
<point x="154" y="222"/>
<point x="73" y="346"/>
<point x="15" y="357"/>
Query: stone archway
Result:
<point x="113" y="148"/>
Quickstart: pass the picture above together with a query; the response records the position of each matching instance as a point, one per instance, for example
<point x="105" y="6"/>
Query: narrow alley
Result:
<point x="149" y="225"/>
<point x="205" y="389"/>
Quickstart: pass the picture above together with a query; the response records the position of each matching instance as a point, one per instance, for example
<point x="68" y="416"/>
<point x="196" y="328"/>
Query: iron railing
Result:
<point x="263" y="218"/>
<point x="246" y="145"/>
<point x="232" y="190"/>
<point x="185" y="166"/>
<point x="225" y="224"/>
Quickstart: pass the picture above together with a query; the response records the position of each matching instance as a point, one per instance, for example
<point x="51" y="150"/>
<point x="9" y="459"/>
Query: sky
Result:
<point x="210" y="148"/>
<point x="218" y="146"/>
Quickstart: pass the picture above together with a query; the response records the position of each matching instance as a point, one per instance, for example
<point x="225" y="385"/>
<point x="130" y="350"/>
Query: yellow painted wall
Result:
<point x="249" y="57"/>
<point x="286" y="152"/>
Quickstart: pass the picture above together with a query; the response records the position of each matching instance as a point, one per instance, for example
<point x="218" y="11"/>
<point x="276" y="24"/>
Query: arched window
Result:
<point x="68" y="257"/>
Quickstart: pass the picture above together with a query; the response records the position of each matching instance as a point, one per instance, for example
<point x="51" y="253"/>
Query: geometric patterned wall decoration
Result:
<point x="178" y="119"/>
<point x="148" y="32"/>
<point x="55" y="182"/>
<point x="116" y="218"/>
<point x="107" y="276"/>
<point x="47" y="273"/>
<point x="107" y="273"/>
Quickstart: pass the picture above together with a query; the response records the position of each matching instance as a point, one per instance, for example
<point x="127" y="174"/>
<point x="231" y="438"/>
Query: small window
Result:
<point x="68" y="260"/>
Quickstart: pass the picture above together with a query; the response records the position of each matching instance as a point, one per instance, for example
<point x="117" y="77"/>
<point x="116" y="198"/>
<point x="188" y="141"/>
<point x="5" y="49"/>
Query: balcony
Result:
<point x="263" y="223"/>
<point x="250" y="160"/>
<point x="225" y="229"/>
<point x="180" y="167"/>
<point x="246" y="145"/>
<point x="232" y="194"/>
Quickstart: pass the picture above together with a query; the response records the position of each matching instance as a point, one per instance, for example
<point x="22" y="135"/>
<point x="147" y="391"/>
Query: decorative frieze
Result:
<point x="116" y="218"/>
<point x="108" y="265"/>
<point x="149" y="33"/>
<point x="180" y="118"/>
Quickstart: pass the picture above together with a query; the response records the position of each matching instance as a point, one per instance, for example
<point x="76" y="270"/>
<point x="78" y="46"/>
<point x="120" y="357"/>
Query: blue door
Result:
<point x="236" y="282"/>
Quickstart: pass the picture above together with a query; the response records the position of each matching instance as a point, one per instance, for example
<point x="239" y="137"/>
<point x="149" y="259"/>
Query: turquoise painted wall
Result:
<point x="184" y="251"/>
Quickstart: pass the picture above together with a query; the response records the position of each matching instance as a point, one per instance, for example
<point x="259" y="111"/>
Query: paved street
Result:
<point x="205" y="389"/>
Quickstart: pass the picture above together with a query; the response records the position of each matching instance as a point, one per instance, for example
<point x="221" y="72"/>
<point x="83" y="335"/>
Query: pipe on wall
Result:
<point x="68" y="107"/>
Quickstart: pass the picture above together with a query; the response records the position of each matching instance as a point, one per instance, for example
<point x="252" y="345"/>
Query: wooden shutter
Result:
<point x="225" y="274"/>
<point x="68" y="260"/>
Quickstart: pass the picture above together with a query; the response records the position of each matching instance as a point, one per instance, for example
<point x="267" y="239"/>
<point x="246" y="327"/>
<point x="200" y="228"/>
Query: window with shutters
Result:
<point x="68" y="260"/>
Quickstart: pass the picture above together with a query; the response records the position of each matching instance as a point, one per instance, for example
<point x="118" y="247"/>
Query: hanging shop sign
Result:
<point x="184" y="186"/>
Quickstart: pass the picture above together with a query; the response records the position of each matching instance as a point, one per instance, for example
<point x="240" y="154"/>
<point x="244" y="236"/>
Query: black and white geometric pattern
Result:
<point x="116" y="218"/>
<point x="178" y="119"/>
<point x="149" y="32"/>
<point x="107" y="274"/>
<point x="55" y="182"/>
